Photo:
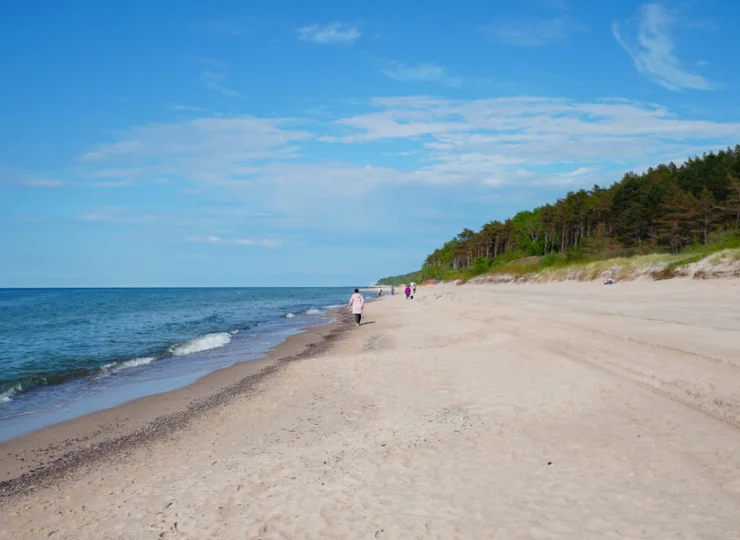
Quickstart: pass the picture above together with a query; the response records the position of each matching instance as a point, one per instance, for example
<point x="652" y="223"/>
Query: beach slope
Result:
<point x="566" y="410"/>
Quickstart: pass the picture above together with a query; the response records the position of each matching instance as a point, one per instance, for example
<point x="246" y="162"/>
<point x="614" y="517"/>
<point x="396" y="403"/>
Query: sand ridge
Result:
<point x="511" y="412"/>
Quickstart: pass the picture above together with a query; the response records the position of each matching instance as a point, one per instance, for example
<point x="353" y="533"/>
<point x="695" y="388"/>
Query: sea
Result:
<point x="68" y="352"/>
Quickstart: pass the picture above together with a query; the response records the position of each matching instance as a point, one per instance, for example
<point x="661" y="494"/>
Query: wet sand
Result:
<point x="567" y="410"/>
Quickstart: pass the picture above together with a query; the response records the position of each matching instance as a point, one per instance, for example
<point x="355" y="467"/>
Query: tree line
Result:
<point x="664" y="209"/>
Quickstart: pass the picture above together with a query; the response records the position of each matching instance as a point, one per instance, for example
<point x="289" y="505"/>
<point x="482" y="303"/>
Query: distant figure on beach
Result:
<point x="608" y="281"/>
<point x="393" y="290"/>
<point x="380" y="291"/>
<point x="357" y="303"/>
<point x="413" y="287"/>
<point x="408" y="292"/>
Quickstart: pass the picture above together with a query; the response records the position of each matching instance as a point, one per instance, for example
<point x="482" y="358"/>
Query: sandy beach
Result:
<point x="566" y="410"/>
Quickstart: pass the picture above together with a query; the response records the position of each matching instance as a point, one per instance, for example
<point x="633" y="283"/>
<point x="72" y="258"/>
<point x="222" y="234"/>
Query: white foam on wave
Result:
<point x="202" y="343"/>
<point x="289" y="315"/>
<point x="115" y="367"/>
<point x="312" y="311"/>
<point x="8" y="394"/>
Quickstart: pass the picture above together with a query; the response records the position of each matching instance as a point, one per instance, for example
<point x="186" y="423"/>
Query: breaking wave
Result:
<point x="7" y="394"/>
<point x="200" y="344"/>
<point x="115" y="367"/>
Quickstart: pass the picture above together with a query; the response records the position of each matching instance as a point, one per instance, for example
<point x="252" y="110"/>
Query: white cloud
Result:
<point x="580" y="171"/>
<point x="531" y="32"/>
<point x="235" y="241"/>
<point x="178" y="107"/>
<point x="215" y="81"/>
<point x="652" y="51"/>
<point x="490" y="141"/>
<point x="13" y="177"/>
<point x="112" y="214"/>
<point x="577" y="177"/>
<point x="525" y="121"/>
<point x="424" y="72"/>
<point x="339" y="177"/>
<point x="111" y="184"/>
<point x="40" y="182"/>
<point x="202" y="149"/>
<point x="495" y="142"/>
<point x="332" y="33"/>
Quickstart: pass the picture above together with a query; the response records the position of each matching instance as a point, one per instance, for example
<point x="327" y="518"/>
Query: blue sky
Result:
<point x="157" y="143"/>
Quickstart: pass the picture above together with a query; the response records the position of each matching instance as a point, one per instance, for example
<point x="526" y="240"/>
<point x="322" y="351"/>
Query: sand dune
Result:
<point x="566" y="411"/>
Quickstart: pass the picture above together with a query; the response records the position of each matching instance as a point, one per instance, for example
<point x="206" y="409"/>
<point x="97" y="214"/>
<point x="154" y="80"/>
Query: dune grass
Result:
<point x="575" y="265"/>
<point x="655" y="265"/>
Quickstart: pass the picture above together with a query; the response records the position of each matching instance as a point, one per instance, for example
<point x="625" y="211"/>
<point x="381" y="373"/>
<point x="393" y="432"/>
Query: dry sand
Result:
<point x="511" y="412"/>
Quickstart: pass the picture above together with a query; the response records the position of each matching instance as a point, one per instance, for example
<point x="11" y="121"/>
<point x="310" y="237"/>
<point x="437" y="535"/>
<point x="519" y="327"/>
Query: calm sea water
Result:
<point x="68" y="352"/>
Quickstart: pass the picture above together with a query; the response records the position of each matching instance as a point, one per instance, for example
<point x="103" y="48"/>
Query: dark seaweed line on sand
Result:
<point x="158" y="429"/>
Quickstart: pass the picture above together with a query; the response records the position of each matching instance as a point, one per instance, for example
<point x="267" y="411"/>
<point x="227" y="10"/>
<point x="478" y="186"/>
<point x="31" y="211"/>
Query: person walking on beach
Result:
<point x="413" y="287"/>
<point x="408" y="292"/>
<point x="357" y="303"/>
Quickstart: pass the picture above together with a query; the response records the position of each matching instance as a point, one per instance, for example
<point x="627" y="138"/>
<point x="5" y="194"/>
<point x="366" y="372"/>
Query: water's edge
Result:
<point x="42" y="457"/>
<point x="142" y="383"/>
<point x="65" y="354"/>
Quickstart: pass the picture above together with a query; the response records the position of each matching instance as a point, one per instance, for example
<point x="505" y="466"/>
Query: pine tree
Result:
<point x="707" y="213"/>
<point x="664" y="207"/>
<point x="679" y="212"/>
<point x="732" y="202"/>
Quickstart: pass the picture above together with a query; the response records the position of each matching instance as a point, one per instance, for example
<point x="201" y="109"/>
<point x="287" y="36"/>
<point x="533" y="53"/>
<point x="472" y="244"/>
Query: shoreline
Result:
<point x="42" y="457"/>
<point x="552" y="411"/>
<point x="107" y="347"/>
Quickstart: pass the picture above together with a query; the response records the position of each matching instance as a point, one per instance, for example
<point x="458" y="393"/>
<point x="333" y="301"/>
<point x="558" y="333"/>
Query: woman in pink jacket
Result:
<point x="357" y="303"/>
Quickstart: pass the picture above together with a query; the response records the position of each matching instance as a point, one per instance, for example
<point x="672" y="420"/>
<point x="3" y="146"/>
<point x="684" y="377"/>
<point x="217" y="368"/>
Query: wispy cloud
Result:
<point x="491" y="147"/>
<point x="186" y="144"/>
<point x="235" y="241"/>
<point x="532" y="32"/>
<point x="179" y="107"/>
<point x="332" y="33"/>
<point x="11" y="177"/>
<point x="489" y="142"/>
<point x="41" y="182"/>
<point x="652" y="50"/>
<point x="424" y="72"/>
<point x="214" y="80"/>
<point x="112" y="214"/>
<point x="110" y="184"/>
<point x="579" y="176"/>
<point x="580" y="171"/>
<point x="493" y="140"/>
